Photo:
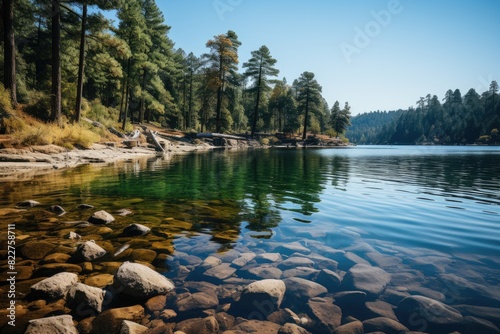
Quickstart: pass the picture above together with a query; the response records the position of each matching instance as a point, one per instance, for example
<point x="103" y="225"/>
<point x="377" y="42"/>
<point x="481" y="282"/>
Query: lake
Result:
<point x="429" y="216"/>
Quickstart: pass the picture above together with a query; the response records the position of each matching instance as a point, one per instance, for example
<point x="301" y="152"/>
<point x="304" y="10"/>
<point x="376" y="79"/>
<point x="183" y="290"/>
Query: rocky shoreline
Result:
<point x="104" y="275"/>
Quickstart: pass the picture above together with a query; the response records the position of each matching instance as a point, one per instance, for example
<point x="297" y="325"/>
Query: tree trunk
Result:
<point x="142" y="107"/>
<point x="9" y="50"/>
<point x="220" y="90"/>
<point x="256" y="112"/>
<point x="190" y="105"/>
<point x="56" y="62"/>
<point x="81" y="64"/>
<point x="125" y="97"/>
<point x="304" y="135"/>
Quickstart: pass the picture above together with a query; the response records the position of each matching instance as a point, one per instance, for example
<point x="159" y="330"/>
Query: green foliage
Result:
<point x="459" y="120"/>
<point x="308" y="97"/>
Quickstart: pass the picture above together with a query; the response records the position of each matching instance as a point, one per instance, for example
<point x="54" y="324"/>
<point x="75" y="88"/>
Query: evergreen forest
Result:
<point x="473" y="118"/>
<point x="64" y="61"/>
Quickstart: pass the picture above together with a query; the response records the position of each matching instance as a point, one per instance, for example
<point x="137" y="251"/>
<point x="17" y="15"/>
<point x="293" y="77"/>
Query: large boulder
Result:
<point x="259" y="299"/>
<point x="426" y="314"/>
<point x="52" y="325"/>
<point x="138" y="281"/>
<point x="371" y="280"/>
<point x="81" y="297"/>
<point x="56" y="286"/>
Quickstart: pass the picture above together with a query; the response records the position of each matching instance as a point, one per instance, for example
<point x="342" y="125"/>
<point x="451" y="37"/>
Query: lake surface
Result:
<point x="431" y="210"/>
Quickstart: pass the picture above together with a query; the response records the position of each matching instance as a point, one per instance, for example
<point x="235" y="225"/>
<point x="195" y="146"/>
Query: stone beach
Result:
<point x="105" y="273"/>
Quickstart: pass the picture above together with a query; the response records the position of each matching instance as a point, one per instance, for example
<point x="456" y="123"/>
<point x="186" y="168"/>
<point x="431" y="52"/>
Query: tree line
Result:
<point x="472" y="118"/>
<point x="64" y="58"/>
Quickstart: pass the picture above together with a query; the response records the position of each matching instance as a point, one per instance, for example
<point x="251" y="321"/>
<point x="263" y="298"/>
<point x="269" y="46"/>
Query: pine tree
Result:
<point x="308" y="97"/>
<point x="222" y="60"/>
<point x="259" y="68"/>
<point x="133" y="30"/>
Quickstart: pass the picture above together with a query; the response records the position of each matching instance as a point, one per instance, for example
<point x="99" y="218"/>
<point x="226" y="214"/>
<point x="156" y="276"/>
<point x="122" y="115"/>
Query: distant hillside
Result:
<point x="471" y="119"/>
<point x="366" y="128"/>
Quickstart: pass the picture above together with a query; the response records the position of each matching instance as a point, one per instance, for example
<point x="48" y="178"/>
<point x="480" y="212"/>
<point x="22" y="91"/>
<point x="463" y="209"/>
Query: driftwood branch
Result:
<point x="218" y="135"/>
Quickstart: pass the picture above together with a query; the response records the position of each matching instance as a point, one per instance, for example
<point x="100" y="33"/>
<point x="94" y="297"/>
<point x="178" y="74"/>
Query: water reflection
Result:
<point x="401" y="194"/>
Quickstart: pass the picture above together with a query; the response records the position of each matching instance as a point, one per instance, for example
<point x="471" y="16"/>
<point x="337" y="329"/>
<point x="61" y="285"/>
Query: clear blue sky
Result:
<point x="376" y="54"/>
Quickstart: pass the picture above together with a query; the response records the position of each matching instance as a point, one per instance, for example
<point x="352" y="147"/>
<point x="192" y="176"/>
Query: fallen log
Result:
<point x="152" y="135"/>
<point x="218" y="135"/>
<point x="117" y="133"/>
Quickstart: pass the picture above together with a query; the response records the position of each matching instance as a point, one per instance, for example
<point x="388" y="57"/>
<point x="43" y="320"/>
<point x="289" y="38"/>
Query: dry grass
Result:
<point x="26" y="131"/>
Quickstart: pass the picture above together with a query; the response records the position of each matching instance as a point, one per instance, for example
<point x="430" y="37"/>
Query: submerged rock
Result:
<point x="290" y="328"/>
<point x="208" y="325"/>
<point x="355" y="327"/>
<point x="56" y="286"/>
<point x="327" y="317"/>
<point x="36" y="250"/>
<point x="139" y="281"/>
<point x="384" y="325"/>
<point x="81" y="297"/>
<point x="58" y="324"/>
<point x="329" y="280"/>
<point x="414" y="311"/>
<point x="299" y="290"/>
<point x="57" y="209"/>
<point x="135" y="230"/>
<point x="110" y="321"/>
<point x="129" y="327"/>
<point x="371" y="280"/>
<point x="255" y="326"/>
<point x="85" y="206"/>
<point x="101" y="217"/>
<point x="88" y="251"/>
<point x="195" y="302"/>
<point x="292" y="247"/>
<point x="260" y="299"/>
<point x="27" y="204"/>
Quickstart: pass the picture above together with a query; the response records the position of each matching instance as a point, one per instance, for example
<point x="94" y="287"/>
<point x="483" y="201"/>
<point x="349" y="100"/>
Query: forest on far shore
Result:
<point x="64" y="61"/>
<point x="470" y="119"/>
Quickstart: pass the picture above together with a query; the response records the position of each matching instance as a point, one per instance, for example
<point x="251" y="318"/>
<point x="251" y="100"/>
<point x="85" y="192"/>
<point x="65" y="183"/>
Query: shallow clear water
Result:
<point x="430" y="209"/>
<point x="443" y="198"/>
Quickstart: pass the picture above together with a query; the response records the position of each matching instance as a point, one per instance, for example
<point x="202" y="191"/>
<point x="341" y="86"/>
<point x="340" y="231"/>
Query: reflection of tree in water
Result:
<point x="217" y="192"/>
<point x="339" y="166"/>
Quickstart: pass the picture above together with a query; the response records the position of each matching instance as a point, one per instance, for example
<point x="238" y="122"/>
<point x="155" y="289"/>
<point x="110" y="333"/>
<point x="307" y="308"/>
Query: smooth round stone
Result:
<point x="100" y="280"/>
<point x="372" y="280"/>
<point x="139" y="281"/>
